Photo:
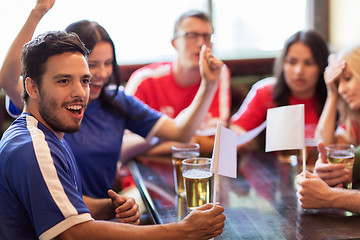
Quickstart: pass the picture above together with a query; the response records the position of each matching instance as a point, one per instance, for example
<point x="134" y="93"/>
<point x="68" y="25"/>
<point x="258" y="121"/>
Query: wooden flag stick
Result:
<point x="216" y="180"/>
<point x="304" y="160"/>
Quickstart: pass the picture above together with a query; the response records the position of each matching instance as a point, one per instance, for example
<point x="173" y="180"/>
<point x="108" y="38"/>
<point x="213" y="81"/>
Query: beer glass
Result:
<point x="179" y="153"/>
<point x="342" y="153"/>
<point x="198" y="181"/>
<point x="311" y="152"/>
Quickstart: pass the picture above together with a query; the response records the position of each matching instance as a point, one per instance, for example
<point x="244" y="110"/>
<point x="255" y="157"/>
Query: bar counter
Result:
<point x="260" y="203"/>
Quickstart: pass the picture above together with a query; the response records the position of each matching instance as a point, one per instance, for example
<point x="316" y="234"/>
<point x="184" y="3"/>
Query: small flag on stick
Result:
<point x="285" y="129"/>
<point x="224" y="159"/>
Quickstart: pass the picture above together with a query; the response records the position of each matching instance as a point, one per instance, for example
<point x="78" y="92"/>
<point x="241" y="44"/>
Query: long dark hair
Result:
<point x="91" y="33"/>
<point x="320" y="53"/>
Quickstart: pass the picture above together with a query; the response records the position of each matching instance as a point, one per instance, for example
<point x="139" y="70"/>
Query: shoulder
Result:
<point x="148" y="73"/>
<point x="11" y="109"/>
<point x="131" y="104"/>
<point x="152" y="70"/>
<point x="266" y="83"/>
<point x="16" y="147"/>
<point x="262" y="88"/>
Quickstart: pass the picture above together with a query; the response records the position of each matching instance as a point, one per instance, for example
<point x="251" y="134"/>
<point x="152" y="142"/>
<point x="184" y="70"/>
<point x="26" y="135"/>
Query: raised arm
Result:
<point x="11" y="68"/>
<point x="327" y="123"/>
<point x="183" y="127"/>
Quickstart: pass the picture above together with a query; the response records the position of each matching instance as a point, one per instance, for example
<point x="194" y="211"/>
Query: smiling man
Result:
<point x="40" y="188"/>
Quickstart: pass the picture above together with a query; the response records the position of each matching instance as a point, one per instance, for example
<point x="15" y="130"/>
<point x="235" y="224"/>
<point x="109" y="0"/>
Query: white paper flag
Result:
<point x="224" y="160"/>
<point x="285" y="128"/>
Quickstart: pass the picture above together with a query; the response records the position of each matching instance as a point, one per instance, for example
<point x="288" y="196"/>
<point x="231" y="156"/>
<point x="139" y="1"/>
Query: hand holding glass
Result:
<point x="198" y="181"/>
<point x="342" y="153"/>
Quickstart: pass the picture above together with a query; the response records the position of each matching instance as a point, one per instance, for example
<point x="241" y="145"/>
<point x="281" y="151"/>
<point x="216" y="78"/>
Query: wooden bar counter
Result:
<point x="260" y="203"/>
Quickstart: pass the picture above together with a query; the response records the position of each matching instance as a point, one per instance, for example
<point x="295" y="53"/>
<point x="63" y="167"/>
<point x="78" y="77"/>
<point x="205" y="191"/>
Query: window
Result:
<point x="142" y="29"/>
<point x="256" y="28"/>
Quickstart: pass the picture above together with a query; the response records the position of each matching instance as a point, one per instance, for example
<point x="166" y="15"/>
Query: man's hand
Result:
<point x="204" y="222"/>
<point x="126" y="210"/>
<point x="332" y="174"/>
<point x="210" y="66"/>
<point x="312" y="192"/>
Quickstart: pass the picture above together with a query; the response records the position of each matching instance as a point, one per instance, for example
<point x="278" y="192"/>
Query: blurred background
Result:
<point x="248" y="34"/>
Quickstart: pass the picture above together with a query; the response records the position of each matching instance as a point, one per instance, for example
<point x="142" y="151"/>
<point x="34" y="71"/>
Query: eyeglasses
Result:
<point x="194" y="36"/>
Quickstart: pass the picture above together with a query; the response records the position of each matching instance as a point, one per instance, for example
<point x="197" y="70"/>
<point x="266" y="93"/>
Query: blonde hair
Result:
<point x="347" y="116"/>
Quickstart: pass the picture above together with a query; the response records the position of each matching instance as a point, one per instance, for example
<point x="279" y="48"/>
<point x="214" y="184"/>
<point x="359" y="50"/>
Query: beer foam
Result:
<point x="197" y="173"/>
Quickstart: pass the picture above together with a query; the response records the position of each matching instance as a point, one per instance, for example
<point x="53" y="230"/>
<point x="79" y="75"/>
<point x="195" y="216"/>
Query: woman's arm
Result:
<point x="11" y="68"/>
<point x="327" y="123"/>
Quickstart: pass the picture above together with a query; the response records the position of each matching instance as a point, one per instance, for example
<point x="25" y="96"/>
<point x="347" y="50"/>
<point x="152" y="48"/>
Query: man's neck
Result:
<point x="186" y="76"/>
<point x="36" y="114"/>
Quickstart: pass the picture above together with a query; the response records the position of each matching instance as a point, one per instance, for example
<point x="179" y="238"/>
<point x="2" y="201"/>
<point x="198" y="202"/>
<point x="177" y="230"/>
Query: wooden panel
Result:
<point x="239" y="67"/>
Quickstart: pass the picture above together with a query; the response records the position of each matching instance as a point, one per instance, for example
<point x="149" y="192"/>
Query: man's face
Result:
<point x="64" y="92"/>
<point x="192" y="33"/>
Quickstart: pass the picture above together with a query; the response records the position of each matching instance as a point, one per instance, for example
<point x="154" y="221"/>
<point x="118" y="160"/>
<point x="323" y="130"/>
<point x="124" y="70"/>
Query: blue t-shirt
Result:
<point x="96" y="146"/>
<point x="40" y="188"/>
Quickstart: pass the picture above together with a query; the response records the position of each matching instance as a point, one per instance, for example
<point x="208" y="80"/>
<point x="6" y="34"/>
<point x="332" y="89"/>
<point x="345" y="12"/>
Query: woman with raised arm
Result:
<point x="97" y="144"/>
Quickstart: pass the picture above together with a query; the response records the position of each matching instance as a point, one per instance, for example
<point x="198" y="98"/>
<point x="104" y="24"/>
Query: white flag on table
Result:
<point x="285" y="128"/>
<point x="224" y="159"/>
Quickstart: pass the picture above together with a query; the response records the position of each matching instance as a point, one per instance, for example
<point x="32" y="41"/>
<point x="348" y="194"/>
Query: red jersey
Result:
<point x="155" y="85"/>
<point x="260" y="98"/>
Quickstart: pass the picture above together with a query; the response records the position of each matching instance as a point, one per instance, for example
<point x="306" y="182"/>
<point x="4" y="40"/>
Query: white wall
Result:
<point x="344" y="23"/>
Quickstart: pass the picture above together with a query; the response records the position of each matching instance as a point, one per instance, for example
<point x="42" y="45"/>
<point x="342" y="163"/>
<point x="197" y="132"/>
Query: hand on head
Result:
<point x="332" y="73"/>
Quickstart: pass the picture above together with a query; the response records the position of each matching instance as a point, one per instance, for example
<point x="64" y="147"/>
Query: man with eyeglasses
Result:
<point x="170" y="87"/>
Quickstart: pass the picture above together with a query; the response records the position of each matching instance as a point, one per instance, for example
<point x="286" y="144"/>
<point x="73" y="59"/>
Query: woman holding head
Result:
<point x="340" y="119"/>
<point x="97" y="144"/>
<point x="298" y="79"/>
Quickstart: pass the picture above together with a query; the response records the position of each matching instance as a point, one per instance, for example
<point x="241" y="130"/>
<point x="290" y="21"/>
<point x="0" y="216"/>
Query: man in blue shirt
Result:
<point x="40" y="189"/>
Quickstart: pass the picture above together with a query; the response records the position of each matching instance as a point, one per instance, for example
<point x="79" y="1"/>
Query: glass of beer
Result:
<point x="342" y="153"/>
<point x="311" y="152"/>
<point x="179" y="153"/>
<point x="198" y="181"/>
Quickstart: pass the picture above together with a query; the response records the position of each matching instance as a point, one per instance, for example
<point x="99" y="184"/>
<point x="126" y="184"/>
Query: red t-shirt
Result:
<point x="260" y="98"/>
<point x="155" y="85"/>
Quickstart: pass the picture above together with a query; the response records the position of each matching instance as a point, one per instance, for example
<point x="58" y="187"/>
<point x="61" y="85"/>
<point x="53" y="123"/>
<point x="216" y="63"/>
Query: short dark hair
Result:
<point x="195" y="14"/>
<point x="320" y="52"/>
<point x="36" y="52"/>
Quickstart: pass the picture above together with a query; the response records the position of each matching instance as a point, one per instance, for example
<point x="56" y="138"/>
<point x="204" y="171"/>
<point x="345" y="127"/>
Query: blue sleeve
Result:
<point x="141" y="118"/>
<point x="49" y="197"/>
<point x="12" y="110"/>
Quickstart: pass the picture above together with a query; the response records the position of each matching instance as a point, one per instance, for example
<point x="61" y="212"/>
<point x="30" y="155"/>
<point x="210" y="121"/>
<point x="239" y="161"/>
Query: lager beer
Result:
<point x="346" y="158"/>
<point x="177" y="159"/>
<point x="342" y="153"/>
<point x="198" y="185"/>
<point x="179" y="153"/>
